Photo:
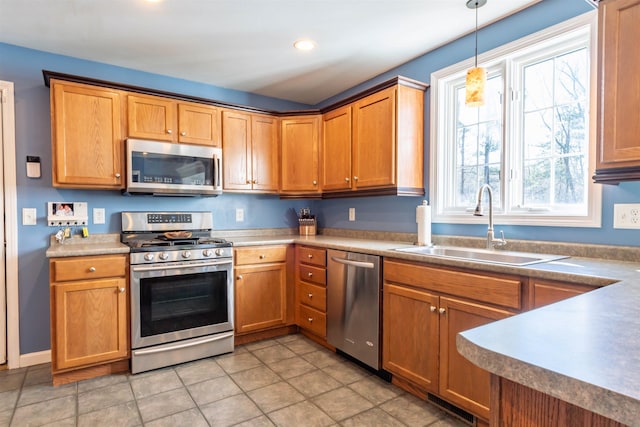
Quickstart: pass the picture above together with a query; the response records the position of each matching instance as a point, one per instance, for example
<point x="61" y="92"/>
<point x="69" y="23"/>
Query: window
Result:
<point x="533" y="141"/>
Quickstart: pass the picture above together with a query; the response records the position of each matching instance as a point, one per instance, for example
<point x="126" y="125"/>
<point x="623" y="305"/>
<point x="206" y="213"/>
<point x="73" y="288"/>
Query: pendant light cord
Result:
<point x="476" y="57"/>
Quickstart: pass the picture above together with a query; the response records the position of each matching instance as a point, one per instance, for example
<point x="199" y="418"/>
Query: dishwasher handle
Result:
<point x="362" y="264"/>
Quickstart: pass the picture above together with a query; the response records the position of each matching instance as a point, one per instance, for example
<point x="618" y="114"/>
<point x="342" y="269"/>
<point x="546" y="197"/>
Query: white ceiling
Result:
<point x="247" y="44"/>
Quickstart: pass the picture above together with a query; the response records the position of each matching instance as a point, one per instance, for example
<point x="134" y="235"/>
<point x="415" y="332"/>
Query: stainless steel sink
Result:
<point x="482" y="255"/>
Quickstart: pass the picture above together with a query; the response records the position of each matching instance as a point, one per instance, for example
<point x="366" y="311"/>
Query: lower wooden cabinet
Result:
<point x="424" y="308"/>
<point x="311" y="291"/>
<point x="89" y="314"/>
<point x="261" y="288"/>
<point x="543" y="292"/>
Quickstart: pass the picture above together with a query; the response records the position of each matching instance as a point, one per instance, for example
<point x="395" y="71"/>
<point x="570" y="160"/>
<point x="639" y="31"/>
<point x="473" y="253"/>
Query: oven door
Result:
<point x="176" y="301"/>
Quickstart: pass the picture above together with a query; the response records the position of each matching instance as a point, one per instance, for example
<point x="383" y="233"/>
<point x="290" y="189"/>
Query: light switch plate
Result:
<point x="352" y="214"/>
<point x="239" y="214"/>
<point x="29" y="216"/>
<point x="98" y="216"/>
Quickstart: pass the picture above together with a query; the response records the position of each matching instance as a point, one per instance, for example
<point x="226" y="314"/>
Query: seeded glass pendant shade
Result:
<point x="477" y="76"/>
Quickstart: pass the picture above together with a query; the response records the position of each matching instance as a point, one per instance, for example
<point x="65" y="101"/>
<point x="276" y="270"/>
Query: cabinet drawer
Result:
<point x="505" y="291"/>
<point x="312" y="295"/>
<point x="312" y="274"/>
<point x="260" y="255"/>
<point x="313" y="256"/>
<point x="313" y="320"/>
<point x="80" y="268"/>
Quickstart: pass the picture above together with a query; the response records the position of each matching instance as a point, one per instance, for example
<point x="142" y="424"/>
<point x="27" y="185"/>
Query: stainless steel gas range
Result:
<point x="181" y="288"/>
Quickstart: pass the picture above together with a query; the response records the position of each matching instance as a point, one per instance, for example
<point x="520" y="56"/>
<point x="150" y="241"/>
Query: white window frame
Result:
<point x="441" y="163"/>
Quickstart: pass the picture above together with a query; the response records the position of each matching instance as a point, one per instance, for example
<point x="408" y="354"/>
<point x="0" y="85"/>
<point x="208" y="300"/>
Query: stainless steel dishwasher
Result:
<point x="353" y="305"/>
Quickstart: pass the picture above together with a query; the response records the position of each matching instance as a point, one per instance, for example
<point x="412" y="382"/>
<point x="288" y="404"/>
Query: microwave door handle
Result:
<point x="219" y="172"/>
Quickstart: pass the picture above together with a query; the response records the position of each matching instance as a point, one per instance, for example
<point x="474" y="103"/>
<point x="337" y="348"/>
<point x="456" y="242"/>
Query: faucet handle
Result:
<point x="501" y="241"/>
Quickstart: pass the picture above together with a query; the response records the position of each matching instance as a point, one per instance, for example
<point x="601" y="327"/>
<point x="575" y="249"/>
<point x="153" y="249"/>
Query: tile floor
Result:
<point x="287" y="381"/>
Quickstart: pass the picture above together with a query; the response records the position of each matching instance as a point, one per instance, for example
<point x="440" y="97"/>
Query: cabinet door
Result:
<point x="260" y="296"/>
<point x="151" y="117"/>
<point x="374" y="140"/>
<point x="336" y="149"/>
<point x="87" y="137"/>
<point x="410" y="335"/>
<point x="236" y="147"/>
<point x="299" y="154"/>
<point x="90" y="322"/>
<point x="199" y="124"/>
<point x="461" y="382"/>
<point x="265" y="152"/>
<point x="619" y="60"/>
<point x="547" y="292"/>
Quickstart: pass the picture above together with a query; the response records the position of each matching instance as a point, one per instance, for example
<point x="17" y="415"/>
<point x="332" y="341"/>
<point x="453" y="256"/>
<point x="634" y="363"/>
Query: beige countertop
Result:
<point x="95" y="244"/>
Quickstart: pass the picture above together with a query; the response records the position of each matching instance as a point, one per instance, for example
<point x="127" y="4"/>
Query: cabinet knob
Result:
<point x="433" y="308"/>
<point x="255" y="181"/>
<point x="355" y="178"/>
<point x="122" y="290"/>
<point x="347" y="179"/>
<point x="183" y="133"/>
<point x="248" y="182"/>
<point x="309" y="256"/>
<point x="117" y="175"/>
<point x="239" y="277"/>
<point x="262" y="256"/>
<point x="442" y="310"/>
<point x="92" y="269"/>
<point x="169" y="131"/>
<point x="310" y="295"/>
<point x="310" y="274"/>
<point x="315" y="182"/>
<point x="310" y="319"/>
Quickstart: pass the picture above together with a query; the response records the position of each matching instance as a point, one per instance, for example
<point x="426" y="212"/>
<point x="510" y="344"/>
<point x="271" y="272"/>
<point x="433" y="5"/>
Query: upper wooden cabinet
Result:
<point x="250" y="152"/>
<point x="165" y="119"/>
<point x="375" y="145"/>
<point x="87" y="136"/>
<point x="300" y="144"/>
<point x="619" y="94"/>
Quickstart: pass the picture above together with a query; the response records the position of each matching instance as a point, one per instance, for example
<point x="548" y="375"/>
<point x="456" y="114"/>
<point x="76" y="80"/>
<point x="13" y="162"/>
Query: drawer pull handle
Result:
<point x="442" y="310"/>
<point x="183" y="133"/>
<point x="262" y="256"/>
<point x="310" y="274"/>
<point x="169" y="131"/>
<point x="92" y="269"/>
<point x="239" y="277"/>
<point x="122" y="290"/>
<point x="309" y="256"/>
<point x="310" y="295"/>
<point x="117" y="175"/>
<point x="310" y="319"/>
<point x="432" y="308"/>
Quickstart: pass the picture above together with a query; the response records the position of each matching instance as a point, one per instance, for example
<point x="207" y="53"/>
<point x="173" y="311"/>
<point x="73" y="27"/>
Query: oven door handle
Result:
<point x="182" y="345"/>
<point x="175" y="267"/>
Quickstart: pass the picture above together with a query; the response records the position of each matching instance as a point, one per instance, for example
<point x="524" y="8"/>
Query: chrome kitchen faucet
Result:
<point x="492" y="242"/>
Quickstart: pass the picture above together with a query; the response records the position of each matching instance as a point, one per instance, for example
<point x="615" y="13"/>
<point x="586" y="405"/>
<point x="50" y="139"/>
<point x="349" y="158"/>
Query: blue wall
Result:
<point x="33" y="137"/>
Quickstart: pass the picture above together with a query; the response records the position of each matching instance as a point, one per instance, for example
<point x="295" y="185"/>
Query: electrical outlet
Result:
<point x="239" y="214"/>
<point x="98" y="216"/>
<point x="626" y="216"/>
<point x="352" y="214"/>
<point x="29" y="216"/>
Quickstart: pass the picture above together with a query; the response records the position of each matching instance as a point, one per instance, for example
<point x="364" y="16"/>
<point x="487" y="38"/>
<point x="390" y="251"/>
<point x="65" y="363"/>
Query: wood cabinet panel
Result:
<point x="90" y="322"/>
<point x="545" y="292"/>
<point x="236" y="150"/>
<point x="313" y="320"/>
<point x="199" y="124"/>
<point x="336" y="149"/>
<point x="619" y="94"/>
<point x="462" y="382"/>
<point x="87" y="136"/>
<point x="265" y="153"/>
<point x="260" y="254"/>
<point x="151" y="117"/>
<point x="313" y="274"/>
<point x="410" y="335"/>
<point x="312" y="295"/>
<point x="260" y="296"/>
<point x="300" y="140"/>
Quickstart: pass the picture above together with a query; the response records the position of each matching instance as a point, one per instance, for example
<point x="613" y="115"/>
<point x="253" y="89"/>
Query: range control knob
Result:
<point x="219" y="251"/>
<point x="148" y="257"/>
<point x="163" y="256"/>
<point x="207" y="253"/>
<point x="186" y="254"/>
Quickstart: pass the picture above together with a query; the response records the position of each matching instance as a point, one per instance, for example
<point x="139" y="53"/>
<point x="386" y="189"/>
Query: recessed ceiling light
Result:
<point x="304" y="44"/>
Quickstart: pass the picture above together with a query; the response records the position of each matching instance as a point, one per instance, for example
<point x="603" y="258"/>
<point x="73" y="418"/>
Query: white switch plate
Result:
<point x="239" y="214"/>
<point x="98" y="216"/>
<point x="29" y="216"/>
<point x="626" y="215"/>
<point x="352" y="214"/>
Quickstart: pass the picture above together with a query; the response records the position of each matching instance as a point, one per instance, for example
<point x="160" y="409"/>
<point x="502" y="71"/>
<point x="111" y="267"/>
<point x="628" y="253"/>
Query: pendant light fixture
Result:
<point x="476" y="76"/>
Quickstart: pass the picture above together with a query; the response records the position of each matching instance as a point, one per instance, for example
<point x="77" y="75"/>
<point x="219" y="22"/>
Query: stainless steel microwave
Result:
<point x="165" y="168"/>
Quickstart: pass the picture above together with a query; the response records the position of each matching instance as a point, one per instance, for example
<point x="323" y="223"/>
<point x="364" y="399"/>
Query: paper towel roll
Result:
<point x="423" y="218"/>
